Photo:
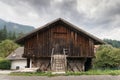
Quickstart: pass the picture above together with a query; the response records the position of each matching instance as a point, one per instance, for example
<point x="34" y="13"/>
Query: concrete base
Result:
<point x="27" y="70"/>
<point x="58" y="72"/>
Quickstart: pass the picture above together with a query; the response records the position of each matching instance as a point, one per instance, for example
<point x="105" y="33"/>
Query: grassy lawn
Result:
<point x="96" y="72"/>
<point x="90" y="72"/>
<point x="31" y="74"/>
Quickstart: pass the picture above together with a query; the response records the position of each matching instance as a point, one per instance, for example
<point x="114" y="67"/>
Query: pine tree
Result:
<point x="13" y="35"/>
<point x="4" y="33"/>
<point x="1" y="35"/>
<point x="10" y="35"/>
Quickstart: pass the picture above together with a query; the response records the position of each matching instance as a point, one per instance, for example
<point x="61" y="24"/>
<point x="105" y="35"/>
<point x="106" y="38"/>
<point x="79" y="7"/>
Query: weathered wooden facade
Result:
<point x="59" y="46"/>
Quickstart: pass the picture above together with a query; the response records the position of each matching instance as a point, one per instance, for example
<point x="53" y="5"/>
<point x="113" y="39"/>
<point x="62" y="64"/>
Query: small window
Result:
<point x="17" y="67"/>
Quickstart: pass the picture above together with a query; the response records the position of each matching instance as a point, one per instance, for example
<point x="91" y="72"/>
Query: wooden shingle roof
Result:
<point x="61" y="21"/>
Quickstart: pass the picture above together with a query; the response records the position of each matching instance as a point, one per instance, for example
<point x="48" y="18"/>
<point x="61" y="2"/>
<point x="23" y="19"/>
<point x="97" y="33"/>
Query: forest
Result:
<point x="11" y="35"/>
<point x="114" y="43"/>
<point x="7" y="44"/>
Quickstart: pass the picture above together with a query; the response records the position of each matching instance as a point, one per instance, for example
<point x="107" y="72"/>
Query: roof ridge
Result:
<point x="66" y="22"/>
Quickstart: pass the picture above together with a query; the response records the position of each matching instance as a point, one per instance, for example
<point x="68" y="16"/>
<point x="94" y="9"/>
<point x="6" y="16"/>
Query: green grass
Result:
<point x="31" y="74"/>
<point x="96" y="72"/>
<point x="90" y="72"/>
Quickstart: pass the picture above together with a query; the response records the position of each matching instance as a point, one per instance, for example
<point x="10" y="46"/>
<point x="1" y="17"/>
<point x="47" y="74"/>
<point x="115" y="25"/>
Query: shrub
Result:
<point x="6" y="47"/>
<point x="107" y="57"/>
<point x="5" y="64"/>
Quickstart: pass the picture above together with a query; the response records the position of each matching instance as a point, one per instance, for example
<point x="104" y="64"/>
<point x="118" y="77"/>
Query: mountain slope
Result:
<point x="11" y="26"/>
<point x="114" y="43"/>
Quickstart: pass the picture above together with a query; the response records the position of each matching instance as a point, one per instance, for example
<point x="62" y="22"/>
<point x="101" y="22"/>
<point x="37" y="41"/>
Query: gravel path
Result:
<point x="83" y="77"/>
<point x="5" y="71"/>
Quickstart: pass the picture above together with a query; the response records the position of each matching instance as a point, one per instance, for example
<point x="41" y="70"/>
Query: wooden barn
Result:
<point x="59" y="46"/>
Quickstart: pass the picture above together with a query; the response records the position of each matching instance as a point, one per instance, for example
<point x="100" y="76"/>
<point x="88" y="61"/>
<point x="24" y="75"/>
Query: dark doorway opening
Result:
<point x="88" y="64"/>
<point x="28" y="63"/>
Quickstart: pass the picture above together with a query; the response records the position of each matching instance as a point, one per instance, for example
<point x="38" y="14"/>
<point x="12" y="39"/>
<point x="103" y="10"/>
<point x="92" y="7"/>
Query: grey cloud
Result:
<point x="65" y="9"/>
<point x="68" y="8"/>
<point x="112" y="8"/>
<point x="103" y="17"/>
<point x="39" y="5"/>
<point x="36" y="5"/>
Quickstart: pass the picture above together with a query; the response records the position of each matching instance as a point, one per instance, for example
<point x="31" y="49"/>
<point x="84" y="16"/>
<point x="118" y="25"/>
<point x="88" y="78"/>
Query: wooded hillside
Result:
<point x="114" y="43"/>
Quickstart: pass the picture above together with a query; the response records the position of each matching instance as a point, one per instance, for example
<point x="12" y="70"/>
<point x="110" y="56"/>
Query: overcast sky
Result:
<point x="99" y="17"/>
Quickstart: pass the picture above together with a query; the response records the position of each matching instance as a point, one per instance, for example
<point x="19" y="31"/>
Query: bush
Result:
<point x="6" y="47"/>
<point x="107" y="57"/>
<point x="5" y="64"/>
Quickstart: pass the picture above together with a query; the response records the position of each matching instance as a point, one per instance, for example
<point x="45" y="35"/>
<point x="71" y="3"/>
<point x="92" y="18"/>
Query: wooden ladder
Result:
<point x="58" y="62"/>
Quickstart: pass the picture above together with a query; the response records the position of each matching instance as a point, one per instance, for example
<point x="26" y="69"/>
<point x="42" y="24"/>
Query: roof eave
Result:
<point x="97" y="40"/>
